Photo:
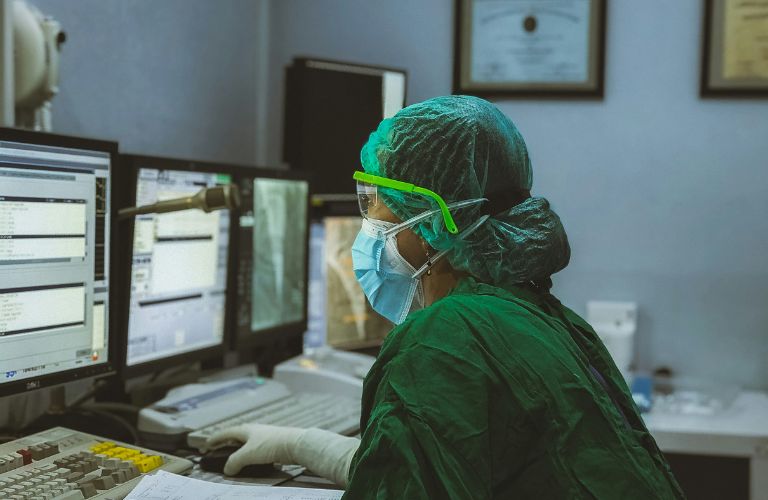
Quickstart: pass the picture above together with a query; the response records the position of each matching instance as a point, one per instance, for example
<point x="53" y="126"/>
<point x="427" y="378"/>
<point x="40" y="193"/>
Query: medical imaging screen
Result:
<point x="339" y="314"/>
<point x="279" y="252"/>
<point x="178" y="270"/>
<point x="54" y="259"/>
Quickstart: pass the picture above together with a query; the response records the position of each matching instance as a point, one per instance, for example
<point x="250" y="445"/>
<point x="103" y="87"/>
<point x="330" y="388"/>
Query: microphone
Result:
<point x="207" y="200"/>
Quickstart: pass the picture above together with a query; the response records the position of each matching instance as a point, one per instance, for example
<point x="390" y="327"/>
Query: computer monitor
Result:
<point x="339" y="313"/>
<point x="177" y="267"/>
<point x="331" y="107"/>
<point x="272" y="235"/>
<point x="55" y="279"/>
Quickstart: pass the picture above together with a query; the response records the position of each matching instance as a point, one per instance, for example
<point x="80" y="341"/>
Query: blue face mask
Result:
<point x="391" y="284"/>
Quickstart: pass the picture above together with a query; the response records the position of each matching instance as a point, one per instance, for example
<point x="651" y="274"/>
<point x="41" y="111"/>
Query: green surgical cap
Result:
<point x="464" y="148"/>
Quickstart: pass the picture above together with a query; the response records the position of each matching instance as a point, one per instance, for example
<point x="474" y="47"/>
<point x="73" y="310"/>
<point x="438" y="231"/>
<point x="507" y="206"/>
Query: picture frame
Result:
<point x="530" y="48"/>
<point x="734" y="54"/>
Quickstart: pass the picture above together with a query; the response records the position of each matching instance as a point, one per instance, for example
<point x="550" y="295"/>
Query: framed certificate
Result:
<point x="530" y="48"/>
<point x="735" y="50"/>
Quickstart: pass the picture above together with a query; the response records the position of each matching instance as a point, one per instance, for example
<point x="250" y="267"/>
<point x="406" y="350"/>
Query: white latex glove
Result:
<point x="324" y="453"/>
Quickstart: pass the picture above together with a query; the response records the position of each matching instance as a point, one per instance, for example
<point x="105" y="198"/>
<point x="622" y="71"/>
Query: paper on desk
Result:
<point x="166" y="486"/>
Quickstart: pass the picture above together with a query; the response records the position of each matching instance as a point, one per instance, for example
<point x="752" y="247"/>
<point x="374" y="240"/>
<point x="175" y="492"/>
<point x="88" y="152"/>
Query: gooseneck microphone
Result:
<point x="207" y="200"/>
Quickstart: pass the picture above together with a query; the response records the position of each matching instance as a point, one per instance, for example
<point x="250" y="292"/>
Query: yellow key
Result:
<point x="98" y="448"/>
<point x="147" y="465"/>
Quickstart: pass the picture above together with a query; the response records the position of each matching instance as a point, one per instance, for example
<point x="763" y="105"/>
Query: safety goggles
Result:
<point x="368" y="195"/>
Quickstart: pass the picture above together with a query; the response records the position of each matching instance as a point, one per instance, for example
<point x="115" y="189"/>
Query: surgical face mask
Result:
<point x="391" y="284"/>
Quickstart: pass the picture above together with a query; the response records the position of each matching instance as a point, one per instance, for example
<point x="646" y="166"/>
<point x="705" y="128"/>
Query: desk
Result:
<point x="739" y="431"/>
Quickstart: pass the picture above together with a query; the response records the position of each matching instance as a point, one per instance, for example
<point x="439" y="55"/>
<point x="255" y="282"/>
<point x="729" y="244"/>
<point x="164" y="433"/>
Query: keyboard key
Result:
<point x="46" y="468"/>
<point x="13" y="478"/>
<point x="72" y="495"/>
<point x="61" y="473"/>
<point x="132" y="472"/>
<point x="35" y="452"/>
<point x="45" y="450"/>
<point x="88" y="489"/>
<point x="104" y="483"/>
<point x="74" y="476"/>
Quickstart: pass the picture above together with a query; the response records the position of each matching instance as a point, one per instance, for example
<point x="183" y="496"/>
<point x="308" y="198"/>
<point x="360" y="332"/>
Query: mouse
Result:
<point x="214" y="461"/>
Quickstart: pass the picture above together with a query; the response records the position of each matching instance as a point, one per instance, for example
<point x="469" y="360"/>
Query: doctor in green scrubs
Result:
<point x="487" y="387"/>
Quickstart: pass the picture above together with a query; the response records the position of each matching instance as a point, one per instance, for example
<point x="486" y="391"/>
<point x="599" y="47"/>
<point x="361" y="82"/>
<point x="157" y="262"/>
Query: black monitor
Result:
<point x="177" y="267"/>
<point x="271" y="272"/>
<point x="56" y="275"/>
<point x="331" y="107"/>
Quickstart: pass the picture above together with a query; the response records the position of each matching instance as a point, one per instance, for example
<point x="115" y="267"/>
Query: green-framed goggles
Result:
<point x="367" y="195"/>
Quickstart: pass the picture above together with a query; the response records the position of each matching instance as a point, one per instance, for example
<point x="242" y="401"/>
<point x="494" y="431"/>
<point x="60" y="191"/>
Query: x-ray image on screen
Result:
<point x="351" y="322"/>
<point x="279" y="252"/>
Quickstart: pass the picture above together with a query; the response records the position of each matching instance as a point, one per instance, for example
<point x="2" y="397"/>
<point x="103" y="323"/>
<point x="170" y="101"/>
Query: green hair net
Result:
<point x="464" y="148"/>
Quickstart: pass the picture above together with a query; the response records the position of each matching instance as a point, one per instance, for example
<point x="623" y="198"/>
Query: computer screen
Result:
<point x="54" y="259"/>
<point x="339" y="314"/>
<point x="272" y="268"/>
<point x="331" y="108"/>
<point x="179" y="269"/>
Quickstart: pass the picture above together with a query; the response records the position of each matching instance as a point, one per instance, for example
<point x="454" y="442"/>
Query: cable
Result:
<point x="119" y="420"/>
<point x="119" y="407"/>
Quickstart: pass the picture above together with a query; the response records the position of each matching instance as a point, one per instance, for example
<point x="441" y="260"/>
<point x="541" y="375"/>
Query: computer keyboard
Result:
<point x="324" y="411"/>
<point x="63" y="464"/>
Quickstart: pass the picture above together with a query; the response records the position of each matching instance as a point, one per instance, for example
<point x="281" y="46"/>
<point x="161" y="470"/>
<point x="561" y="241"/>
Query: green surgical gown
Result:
<point x="490" y="393"/>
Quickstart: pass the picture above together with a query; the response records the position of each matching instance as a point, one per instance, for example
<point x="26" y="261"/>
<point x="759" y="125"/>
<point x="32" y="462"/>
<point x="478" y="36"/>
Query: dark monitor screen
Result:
<point x="272" y="260"/>
<point x="179" y="268"/>
<point x="55" y="277"/>
<point x="330" y="110"/>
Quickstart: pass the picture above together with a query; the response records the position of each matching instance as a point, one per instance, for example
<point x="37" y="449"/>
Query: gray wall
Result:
<point x="664" y="195"/>
<point x="171" y="77"/>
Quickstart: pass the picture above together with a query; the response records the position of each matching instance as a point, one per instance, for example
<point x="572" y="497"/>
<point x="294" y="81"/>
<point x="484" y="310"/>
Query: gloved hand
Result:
<point x="324" y="453"/>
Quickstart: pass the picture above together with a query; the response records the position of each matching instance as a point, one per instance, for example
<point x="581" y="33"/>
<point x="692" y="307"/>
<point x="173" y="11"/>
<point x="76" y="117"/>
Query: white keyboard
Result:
<point x="306" y="410"/>
<point x="62" y="464"/>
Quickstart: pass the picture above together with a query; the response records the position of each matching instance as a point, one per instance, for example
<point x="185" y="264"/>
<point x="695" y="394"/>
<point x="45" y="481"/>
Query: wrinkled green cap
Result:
<point x="463" y="147"/>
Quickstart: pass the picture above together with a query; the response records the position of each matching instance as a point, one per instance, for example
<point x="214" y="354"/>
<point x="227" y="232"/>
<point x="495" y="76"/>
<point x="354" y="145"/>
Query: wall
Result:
<point x="664" y="195"/>
<point x="175" y="78"/>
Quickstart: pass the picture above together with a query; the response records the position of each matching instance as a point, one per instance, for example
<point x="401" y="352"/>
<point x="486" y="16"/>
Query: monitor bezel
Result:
<point x="257" y="344"/>
<point x="129" y="167"/>
<point x="111" y="365"/>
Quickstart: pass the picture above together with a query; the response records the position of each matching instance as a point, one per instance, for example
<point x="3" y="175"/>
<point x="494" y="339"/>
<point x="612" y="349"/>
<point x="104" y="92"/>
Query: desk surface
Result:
<point x="747" y="417"/>
<point x="741" y="430"/>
